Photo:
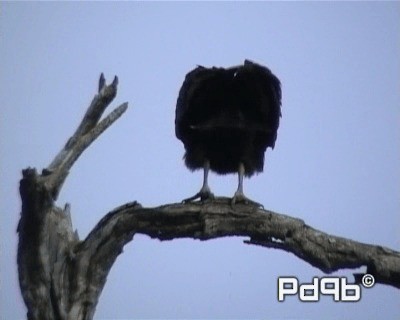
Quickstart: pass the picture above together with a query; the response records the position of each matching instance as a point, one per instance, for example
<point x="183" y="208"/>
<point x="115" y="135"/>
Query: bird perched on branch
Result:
<point x="226" y="119"/>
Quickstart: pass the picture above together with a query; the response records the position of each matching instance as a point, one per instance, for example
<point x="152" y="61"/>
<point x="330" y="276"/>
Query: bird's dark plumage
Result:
<point x="226" y="118"/>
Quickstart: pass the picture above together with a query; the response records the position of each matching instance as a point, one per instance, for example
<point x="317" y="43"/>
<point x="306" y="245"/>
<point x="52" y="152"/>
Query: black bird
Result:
<point x="226" y="119"/>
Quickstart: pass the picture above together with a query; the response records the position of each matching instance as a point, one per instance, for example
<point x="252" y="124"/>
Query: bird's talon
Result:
<point x="241" y="198"/>
<point x="201" y="195"/>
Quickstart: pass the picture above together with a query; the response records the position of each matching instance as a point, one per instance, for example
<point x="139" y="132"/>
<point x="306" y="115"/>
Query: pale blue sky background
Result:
<point x="335" y="165"/>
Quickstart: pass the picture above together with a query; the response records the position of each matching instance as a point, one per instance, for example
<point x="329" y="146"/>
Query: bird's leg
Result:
<point x="239" y="196"/>
<point x="205" y="191"/>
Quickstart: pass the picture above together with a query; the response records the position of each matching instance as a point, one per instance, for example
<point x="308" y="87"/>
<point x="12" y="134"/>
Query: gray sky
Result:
<point x="335" y="164"/>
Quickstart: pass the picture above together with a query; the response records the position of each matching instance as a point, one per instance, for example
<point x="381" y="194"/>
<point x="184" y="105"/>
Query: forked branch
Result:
<point x="46" y="262"/>
<point x="88" y="130"/>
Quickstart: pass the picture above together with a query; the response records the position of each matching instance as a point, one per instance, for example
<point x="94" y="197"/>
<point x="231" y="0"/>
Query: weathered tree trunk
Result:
<point x="62" y="277"/>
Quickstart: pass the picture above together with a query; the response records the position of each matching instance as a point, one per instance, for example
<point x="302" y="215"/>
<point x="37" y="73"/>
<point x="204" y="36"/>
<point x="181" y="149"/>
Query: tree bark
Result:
<point x="62" y="277"/>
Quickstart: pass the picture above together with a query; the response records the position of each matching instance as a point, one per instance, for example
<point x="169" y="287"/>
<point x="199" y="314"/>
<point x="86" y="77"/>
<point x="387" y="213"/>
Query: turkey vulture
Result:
<point x="226" y="119"/>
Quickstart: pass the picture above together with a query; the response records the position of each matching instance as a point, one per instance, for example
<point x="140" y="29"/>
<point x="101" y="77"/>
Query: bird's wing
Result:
<point x="192" y="96"/>
<point x="258" y="93"/>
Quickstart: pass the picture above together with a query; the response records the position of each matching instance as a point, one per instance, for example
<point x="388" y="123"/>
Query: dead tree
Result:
<point x="61" y="276"/>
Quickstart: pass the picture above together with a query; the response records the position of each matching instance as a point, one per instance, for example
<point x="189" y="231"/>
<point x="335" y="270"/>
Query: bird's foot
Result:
<point x="239" y="197"/>
<point x="204" y="194"/>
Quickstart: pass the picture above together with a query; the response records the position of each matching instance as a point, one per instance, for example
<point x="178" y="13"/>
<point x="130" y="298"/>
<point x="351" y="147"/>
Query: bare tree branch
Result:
<point x="218" y="219"/>
<point x="62" y="277"/>
<point x="88" y="131"/>
<point x="46" y="239"/>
